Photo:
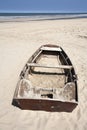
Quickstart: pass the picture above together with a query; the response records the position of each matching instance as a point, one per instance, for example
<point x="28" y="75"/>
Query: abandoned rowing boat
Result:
<point x="47" y="82"/>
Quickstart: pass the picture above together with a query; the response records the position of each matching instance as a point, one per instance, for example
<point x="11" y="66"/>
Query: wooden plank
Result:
<point x="37" y="56"/>
<point x="51" y="49"/>
<point x="44" y="66"/>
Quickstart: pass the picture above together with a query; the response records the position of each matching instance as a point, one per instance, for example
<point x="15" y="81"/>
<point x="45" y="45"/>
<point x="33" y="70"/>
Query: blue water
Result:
<point x="39" y="16"/>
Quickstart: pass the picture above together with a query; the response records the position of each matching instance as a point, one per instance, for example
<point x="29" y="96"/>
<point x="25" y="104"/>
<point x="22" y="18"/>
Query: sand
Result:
<point x="18" y="40"/>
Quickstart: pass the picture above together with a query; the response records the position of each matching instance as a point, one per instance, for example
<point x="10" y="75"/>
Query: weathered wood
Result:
<point x="51" y="48"/>
<point x="54" y="90"/>
<point x="37" y="56"/>
<point x="43" y="66"/>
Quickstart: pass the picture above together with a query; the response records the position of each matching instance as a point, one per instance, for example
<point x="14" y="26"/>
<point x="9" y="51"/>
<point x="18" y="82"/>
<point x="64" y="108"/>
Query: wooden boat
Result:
<point x="47" y="82"/>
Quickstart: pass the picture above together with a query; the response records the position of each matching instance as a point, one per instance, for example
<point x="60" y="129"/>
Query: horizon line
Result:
<point x="39" y="11"/>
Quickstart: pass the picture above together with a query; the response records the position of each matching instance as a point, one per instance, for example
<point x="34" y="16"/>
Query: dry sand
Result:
<point x="18" y="40"/>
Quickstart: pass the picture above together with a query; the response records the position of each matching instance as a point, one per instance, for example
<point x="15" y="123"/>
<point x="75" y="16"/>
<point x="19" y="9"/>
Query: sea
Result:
<point x="17" y="17"/>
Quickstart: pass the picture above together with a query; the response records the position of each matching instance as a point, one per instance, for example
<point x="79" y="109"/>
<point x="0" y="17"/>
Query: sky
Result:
<point x="43" y="5"/>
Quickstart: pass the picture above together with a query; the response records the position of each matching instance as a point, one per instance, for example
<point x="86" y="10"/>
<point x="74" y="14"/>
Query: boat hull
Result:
<point x="54" y="86"/>
<point x="44" y="105"/>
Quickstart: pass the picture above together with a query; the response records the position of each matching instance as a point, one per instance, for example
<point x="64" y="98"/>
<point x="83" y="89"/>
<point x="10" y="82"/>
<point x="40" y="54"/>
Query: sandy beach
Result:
<point x="18" y="41"/>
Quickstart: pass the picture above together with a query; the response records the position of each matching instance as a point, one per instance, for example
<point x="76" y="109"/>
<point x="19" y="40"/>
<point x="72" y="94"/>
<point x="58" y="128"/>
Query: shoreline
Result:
<point x="19" y="17"/>
<point x="37" y="20"/>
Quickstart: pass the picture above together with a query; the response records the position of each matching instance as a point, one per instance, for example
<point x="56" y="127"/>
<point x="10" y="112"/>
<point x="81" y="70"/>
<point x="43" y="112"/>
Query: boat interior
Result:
<point x="49" y="75"/>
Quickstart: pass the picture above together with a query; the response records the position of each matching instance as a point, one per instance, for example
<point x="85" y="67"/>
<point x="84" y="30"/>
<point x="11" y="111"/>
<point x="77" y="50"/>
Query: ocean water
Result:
<point x="6" y="17"/>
